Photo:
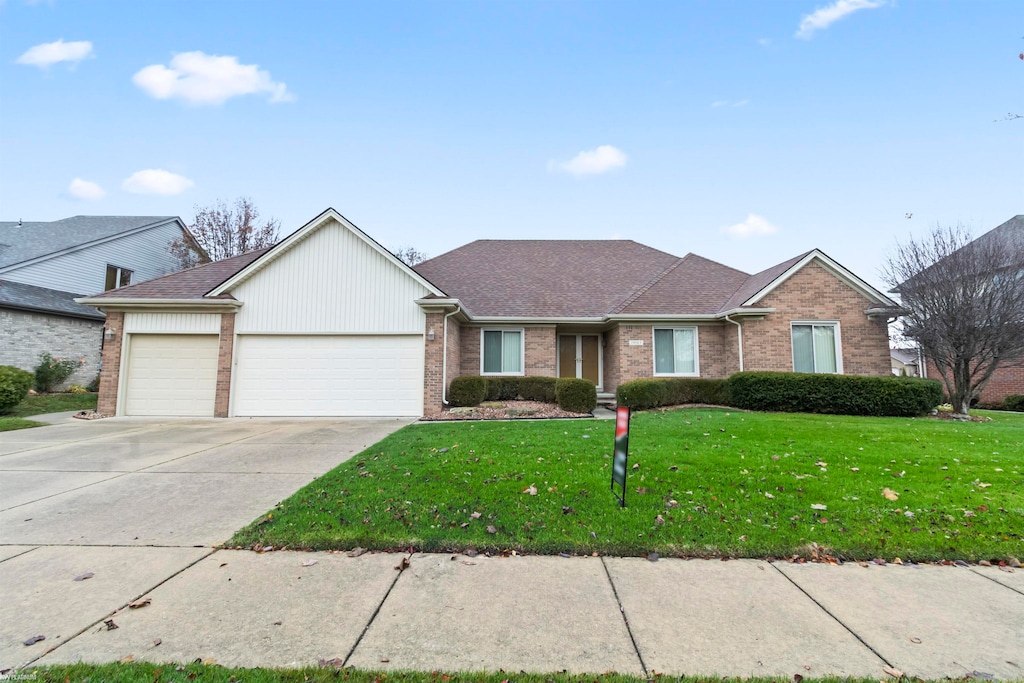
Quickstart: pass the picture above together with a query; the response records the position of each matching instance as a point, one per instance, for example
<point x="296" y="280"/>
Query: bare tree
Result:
<point x="220" y="232"/>
<point x="963" y="303"/>
<point x="411" y="255"/>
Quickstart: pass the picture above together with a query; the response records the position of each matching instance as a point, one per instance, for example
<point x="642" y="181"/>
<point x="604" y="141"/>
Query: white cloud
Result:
<point x="83" y="189"/>
<point x="823" y="17"/>
<point x="754" y="225"/>
<point x="730" y="103"/>
<point x="199" y="78"/>
<point x="47" y="54"/>
<point x="599" y="160"/>
<point x="156" y="181"/>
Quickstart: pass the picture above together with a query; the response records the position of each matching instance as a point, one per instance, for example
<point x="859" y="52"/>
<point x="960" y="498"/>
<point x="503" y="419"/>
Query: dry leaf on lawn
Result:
<point x="309" y="563"/>
<point x="531" y="489"/>
<point x="819" y="506"/>
<point x="491" y="530"/>
<point x="890" y="494"/>
<point x="142" y="602"/>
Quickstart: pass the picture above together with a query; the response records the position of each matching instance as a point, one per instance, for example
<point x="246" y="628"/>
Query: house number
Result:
<point x="636" y="342"/>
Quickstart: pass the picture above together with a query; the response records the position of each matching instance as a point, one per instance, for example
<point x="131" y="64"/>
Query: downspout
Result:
<point x="739" y="337"/>
<point x="444" y="357"/>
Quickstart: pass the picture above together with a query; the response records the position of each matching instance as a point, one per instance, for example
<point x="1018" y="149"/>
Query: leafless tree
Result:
<point x="220" y="232"/>
<point x="411" y="255"/>
<point x="963" y="303"/>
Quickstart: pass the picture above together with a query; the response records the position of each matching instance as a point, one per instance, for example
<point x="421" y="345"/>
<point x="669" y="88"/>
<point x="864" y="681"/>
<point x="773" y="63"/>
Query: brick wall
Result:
<point x="541" y="351"/>
<point x="815" y="294"/>
<point x="433" y="352"/>
<point x="717" y="349"/>
<point x="111" y="373"/>
<point x="24" y="335"/>
<point x="1007" y="380"/>
<point x="612" y="367"/>
<point x="225" y="355"/>
<point x="634" y="361"/>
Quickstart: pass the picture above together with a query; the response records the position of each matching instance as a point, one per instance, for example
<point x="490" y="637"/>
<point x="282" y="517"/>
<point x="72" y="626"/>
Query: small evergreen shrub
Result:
<point x="793" y="392"/>
<point x="575" y="395"/>
<point x="643" y="394"/>
<point x="52" y="371"/>
<point x="14" y="386"/>
<point x="1014" y="402"/>
<point x="467" y="391"/>
<point x="537" y="389"/>
<point x="502" y="388"/>
<point x="94" y="385"/>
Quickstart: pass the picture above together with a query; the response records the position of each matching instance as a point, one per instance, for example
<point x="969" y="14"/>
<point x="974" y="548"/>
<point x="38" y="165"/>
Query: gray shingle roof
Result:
<point x="187" y="284"/>
<point x="31" y="298"/>
<point x="31" y="240"/>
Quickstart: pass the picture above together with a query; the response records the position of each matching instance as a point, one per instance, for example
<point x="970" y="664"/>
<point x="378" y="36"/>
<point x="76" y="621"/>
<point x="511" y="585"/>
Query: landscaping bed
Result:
<point x="506" y="410"/>
<point x="702" y="482"/>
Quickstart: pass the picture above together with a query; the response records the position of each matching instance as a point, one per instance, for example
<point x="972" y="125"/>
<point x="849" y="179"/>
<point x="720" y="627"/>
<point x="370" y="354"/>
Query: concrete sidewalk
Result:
<point x="453" y="612"/>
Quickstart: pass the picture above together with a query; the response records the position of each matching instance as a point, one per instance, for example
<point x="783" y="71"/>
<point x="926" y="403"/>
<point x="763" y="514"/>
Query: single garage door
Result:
<point x="171" y="374"/>
<point x="334" y="375"/>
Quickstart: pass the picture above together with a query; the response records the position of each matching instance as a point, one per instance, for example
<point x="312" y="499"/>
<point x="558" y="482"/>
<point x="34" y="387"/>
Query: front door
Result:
<point x="579" y="355"/>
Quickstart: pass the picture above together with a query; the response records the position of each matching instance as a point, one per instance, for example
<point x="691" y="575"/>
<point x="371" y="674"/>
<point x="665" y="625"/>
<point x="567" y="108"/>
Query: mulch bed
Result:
<point x="506" y="410"/>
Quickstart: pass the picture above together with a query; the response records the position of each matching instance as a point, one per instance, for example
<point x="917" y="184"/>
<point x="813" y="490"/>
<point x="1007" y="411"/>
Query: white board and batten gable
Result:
<point x="83" y="269"/>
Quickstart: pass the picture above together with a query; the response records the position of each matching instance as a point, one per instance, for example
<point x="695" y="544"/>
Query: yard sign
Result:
<point x="621" y="452"/>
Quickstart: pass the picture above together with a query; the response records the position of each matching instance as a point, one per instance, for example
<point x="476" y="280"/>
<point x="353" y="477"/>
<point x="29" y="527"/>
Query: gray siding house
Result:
<point x="45" y="265"/>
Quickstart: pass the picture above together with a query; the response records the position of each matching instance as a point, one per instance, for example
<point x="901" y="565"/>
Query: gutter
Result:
<point x="739" y="336"/>
<point x="444" y="356"/>
<point x="129" y="303"/>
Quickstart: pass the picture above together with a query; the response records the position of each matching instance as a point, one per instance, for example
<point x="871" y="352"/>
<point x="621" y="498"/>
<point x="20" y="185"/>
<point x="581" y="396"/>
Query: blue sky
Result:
<point x="746" y="132"/>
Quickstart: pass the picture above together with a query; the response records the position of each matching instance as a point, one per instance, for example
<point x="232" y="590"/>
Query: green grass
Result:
<point x="202" y="673"/>
<point x="701" y="482"/>
<point x="44" y="403"/>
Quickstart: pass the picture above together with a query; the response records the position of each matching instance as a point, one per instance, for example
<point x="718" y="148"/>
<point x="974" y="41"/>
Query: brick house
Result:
<point x="328" y="322"/>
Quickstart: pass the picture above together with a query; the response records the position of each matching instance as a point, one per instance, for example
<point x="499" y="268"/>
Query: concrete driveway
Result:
<point x="135" y="502"/>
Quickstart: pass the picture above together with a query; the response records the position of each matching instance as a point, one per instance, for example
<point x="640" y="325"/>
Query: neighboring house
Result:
<point x="1008" y="378"/>
<point x="45" y="266"/>
<point x="906" y="362"/>
<point x="328" y="322"/>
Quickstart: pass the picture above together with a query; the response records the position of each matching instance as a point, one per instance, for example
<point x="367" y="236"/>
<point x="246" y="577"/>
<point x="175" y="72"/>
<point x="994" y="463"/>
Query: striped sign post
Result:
<point x="619" y="462"/>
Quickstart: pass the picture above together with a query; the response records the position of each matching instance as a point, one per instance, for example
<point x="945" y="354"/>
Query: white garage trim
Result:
<point x="168" y="374"/>
<point x="328" y="375"/>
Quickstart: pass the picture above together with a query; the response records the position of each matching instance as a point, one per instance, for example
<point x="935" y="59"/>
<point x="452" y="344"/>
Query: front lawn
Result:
<point x="701" y="482"/>
<point x="41" y="404"/>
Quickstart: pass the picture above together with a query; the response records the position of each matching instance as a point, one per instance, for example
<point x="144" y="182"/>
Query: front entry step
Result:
<point x="607" y="400"/>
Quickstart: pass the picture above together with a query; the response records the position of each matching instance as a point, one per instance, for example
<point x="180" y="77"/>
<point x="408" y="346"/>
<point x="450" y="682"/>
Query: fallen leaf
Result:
<point x="109" y="623"/>
<point x="384" y="660"/>
<point x="659" y="520"/>
<point x="278" y="623"/>
<point x="564" y="555"/>
<point x="209" y="661"/>
<point x="819" y="506"/>
<point x="404" y="564"/>
<point x="895" y="673"/>
<point x="768" y="495"/>
<point x="915" y="640"/>
<point x="309" y="563"/>
<point x="156" y="642"/>
<point x="468" y="563"/>
<point x="475" y="515"/>
<point x="491" y="530"/>
<point x="223" y="564"/>
<point x="636" y="466"/>
<point x="890" y="494"/>
<point x="470" y="552"/>
<point x="983" y="485"/>
<point x="126" y="659"/>
<point x="653" y="557"/>
<point x="797" y="678"/>
<point x="139" y="603"/>
<point x="34" y="639"/>
<point x="356" y="552"/>
<point x="531" y="489"/>
<point x="83" y="577"/>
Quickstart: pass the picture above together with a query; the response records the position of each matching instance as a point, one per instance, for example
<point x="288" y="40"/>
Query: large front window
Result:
<point x="816" y="347"/>
<point x="502" y="352"/>
<point x="675" y="351"/>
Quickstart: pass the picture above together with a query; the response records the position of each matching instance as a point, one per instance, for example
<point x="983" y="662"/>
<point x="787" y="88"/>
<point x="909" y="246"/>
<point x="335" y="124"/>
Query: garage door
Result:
<point x="329" y="375"/>
<point x="171" y="374"/>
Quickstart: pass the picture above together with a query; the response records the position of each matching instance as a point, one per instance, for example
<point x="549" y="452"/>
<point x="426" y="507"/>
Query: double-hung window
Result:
<point x="816" y="347"/>
<point x="501" y="352"/>
<point x="675" y="351"/>
<point x="117" y="277"/>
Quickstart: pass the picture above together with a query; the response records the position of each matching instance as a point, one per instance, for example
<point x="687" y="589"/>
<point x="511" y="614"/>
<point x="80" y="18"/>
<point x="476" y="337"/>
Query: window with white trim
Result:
<point x="675" y="351"/>
<point x="501" y="352"/>
<point x="816" y="347"/>
<point x="117" y="277"/>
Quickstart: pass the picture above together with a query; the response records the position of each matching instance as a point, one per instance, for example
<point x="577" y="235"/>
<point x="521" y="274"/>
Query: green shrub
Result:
<point x="643" y="394"/>
<point x="94" y="385"/>
<point x="1014" y="402"/>
<point x="502" y="388"/>
<point x="467" y="391"/>
<point x="52" y="371"/>
<point x="792" y="392"/>
<point x="537" y="389"/>
<point x="575" y="395"/>
<point x="14" y="386"/>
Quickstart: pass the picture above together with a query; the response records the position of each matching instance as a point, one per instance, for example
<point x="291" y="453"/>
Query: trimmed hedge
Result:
<point x="792" y="392"/>
<point x="576" y="395"/>
<point x="472" y="389"/>
<point x="1014" y="402"/>
<point x="643" y="394"/>
<point x="14" y="386"/>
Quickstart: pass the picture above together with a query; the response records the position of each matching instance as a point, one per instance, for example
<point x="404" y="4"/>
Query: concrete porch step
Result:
<point x="606" y="399"/>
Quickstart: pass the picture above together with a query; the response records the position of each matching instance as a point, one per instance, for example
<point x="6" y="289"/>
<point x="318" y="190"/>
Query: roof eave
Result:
<point x="126" y="303"/>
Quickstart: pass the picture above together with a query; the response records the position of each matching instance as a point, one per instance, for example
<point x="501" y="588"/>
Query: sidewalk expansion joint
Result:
<point x="986" y="576"/>
<point x="837" y="619"/>
<point x="625" y="619"/>
<point x="402" y="566"/>
<point x="23" y="552"/>
<point x="111" y="614"/>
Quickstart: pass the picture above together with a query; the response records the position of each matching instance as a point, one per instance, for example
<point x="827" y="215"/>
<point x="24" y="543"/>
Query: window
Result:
<point x="816" y="347"/>
<point x="117" y="277"/>
<point x="502" y="352"/>
<point x="675" y="351"/>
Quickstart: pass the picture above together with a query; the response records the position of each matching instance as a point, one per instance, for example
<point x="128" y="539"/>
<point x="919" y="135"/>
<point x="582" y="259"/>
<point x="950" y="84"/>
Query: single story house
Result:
<point x="328" y="322"/>
<point x="906" y="362"/>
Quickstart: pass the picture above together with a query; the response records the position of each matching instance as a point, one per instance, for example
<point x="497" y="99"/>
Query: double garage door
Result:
<point x="278" y="375"/>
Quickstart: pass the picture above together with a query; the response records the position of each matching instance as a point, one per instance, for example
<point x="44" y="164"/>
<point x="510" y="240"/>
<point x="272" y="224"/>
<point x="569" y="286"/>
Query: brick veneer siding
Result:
<point x="225" y="356"/>
<point x="815" y="294"/>
<point x="611" y="360"/>
<point x="1007" y="379"/>
<point x="110" y="375"/>
<point x="433" y="352"/>
<point x="25" y="335"/>
<point x="634" y="361"/>
<point x="541" y="351"/>
<point x="717" y="349"/>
